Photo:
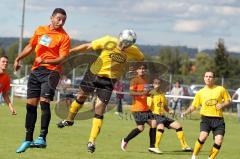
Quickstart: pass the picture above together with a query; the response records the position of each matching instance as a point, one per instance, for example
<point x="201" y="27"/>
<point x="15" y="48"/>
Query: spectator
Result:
<point x="118" y="88"/>
<point x="176" y="102"/>
<point x="237" y="93"/>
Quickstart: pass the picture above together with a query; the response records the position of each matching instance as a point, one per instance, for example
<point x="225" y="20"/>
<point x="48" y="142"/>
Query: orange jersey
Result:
<point x="139" y="101"/>
<point x="4" y="83"/>
<point x="50" y="44"/>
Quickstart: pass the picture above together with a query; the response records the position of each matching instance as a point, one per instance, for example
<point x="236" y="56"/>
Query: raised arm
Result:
<point x="82" y="48"/>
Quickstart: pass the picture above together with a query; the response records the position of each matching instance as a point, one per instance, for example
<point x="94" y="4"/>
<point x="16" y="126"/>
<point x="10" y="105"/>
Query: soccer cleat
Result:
<point x="25" y="145"/>
<point x="194" y="157"/>
<point x="90" y="147"/>
<point x="154" y="150"/>
<point x="187" y="149"/>
<point x="123" y="145"/>
<point x="39" y="143"/>
<point x="64" y="123"/>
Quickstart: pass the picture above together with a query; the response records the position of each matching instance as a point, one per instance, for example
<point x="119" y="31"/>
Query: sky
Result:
<point x="191" y="23"/>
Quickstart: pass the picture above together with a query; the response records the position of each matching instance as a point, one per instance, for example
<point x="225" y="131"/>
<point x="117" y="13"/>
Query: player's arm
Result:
<point x="190" y="109"/>
<point x="234" y="95"/>
<point x="226" y="98"/>
<point x="8" y="102"/>
<point x="82" y="48"/>
<point x="224" y="104"/>
<point x="26" y="51"/>
<point x="138" y="93"/>
<point x="55" y="61"/>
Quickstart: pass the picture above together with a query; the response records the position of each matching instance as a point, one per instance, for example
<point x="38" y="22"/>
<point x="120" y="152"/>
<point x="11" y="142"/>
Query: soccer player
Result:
<point x="5" y="83"/>
<point x="51" y="44"/>
<point x="158" y="105"/>
<point x="103" y="73"/>
<point x="140" y="110"/>
<point x="212" y="99"/>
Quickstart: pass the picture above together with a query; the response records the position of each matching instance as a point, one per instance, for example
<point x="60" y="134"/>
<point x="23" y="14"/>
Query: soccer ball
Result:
<point x="127" y="37"/>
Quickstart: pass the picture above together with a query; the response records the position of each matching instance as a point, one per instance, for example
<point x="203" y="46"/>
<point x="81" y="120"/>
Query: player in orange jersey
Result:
<point x="51" y="44"/>
<point x="5" y="83"/>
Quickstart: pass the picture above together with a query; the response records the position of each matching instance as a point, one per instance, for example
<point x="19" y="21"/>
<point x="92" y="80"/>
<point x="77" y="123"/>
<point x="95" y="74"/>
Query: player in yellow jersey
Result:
<point x="103" y="73"/>
<point x="212" y="99"/>
<point x="157" y="103"/>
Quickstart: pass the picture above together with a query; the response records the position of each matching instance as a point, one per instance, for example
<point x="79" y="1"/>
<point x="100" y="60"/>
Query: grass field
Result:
<point x="70" y="143"/>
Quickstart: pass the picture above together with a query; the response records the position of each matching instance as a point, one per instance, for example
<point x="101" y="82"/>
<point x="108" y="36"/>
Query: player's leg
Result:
<point x="159" y="134"/>
<point x="199" y="143"/>
<point x="205" y="128"/>
<point x="140" y="120"/>
<point x="47" y="95"/>
<point x="97" y="123"/>
<point x="180" y="134"/>
<point x="104" y="91"/>
<point x="218" y="134"/>
<point x="76" y="105"/>
<point x="152" y="131"/>
<point x="33" y="95"/>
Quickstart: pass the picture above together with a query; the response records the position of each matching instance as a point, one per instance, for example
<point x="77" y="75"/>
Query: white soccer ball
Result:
<point x="128" y="36"/>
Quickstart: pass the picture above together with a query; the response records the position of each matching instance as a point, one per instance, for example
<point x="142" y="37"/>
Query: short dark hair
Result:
<point x="3" y="56"/>
<point x="140" y="64"/>
<point x="59" y="10"/>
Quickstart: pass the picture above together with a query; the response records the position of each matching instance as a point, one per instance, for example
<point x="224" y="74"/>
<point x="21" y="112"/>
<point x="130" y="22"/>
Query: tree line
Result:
<point x="181" y="66"/>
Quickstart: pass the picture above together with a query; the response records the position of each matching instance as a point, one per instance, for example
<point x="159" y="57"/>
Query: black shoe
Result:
<point x="90" y="147"/>
<point x="64" y="123"/>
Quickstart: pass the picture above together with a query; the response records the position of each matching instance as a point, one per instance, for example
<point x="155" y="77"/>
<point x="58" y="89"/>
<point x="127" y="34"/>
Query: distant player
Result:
<point x="158" y="105"/>
<point x="140" y="110"/>
<point x="51" y="44"/>
<point x="212" y="99"/>
<point x="102" y="75"/>
<point x="5" y="83"/>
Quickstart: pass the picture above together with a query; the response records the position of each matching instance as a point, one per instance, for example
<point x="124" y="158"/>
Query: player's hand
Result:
<point x="13" y="111"/>
<point x="219" y="106"/>
<point x="182" y="115"/>
<point x="38" y="60"/>
<point x="171" y="112"/>
<point x="16" y="65"/>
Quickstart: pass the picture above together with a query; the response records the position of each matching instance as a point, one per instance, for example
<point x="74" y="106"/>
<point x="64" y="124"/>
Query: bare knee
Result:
<point x="140" y="127"/>
<point x="81" y="97"/>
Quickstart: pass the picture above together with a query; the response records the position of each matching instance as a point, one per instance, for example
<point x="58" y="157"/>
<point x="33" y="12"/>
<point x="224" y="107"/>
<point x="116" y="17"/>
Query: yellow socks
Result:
<point x="159" y="134"/>
<point x="214" y="151"/>
<point x="73" y="110"/>
<point x="181" y="138"/>
<point x="197" y="147"/>
<point x="96" y="127"/>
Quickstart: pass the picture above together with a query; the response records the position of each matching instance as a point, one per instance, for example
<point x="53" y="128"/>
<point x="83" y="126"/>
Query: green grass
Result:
<point x="70" y="143"/>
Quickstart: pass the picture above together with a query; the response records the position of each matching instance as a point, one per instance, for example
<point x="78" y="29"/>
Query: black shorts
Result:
<point x="142" y="117"/>
<point x="162" y="119"/>
<point x="38" y="85"/>
<point x="214" y="124"/>
<point x="101" y="86"/>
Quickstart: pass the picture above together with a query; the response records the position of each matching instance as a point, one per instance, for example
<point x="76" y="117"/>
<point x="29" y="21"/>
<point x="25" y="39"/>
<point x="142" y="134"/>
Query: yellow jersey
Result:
<point x="157" y="102"/>
<point x="208" y="98"/>
<point x="112" y="61"/>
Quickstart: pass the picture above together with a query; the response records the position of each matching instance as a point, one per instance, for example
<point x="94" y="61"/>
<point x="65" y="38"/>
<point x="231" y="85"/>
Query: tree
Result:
<point x="13" y="52"/>
<point x="221" y="60"/>
<point x="203" y="63"/>
<point x="171" y="58"/>
<point x="185" y="65"/>
<point x="2" y="52"/>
